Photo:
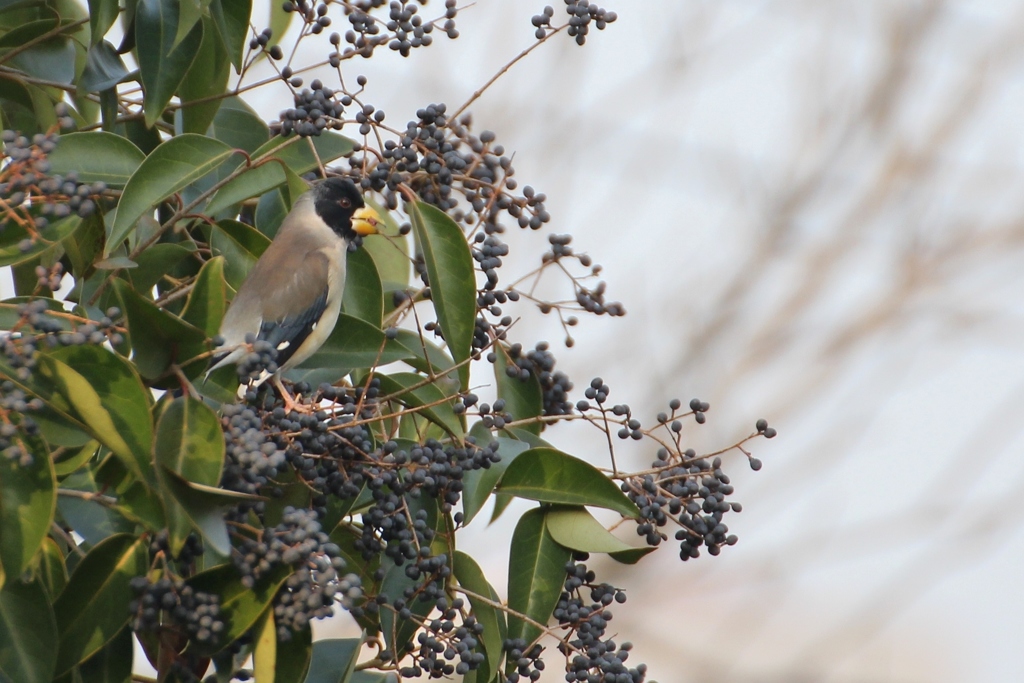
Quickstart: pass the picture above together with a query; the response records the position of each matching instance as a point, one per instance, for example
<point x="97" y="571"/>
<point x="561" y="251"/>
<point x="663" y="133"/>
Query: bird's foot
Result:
<point x="291" y="403"/>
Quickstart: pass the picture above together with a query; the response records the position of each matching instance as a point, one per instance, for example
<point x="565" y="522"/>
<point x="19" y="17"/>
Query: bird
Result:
<point x="292" y="296"/>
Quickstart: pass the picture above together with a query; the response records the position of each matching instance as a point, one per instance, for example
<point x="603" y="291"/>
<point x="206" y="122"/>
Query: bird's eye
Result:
<point x="345" y="203"/>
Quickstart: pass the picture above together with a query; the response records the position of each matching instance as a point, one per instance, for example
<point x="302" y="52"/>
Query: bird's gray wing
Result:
<point x="283" y="297"/>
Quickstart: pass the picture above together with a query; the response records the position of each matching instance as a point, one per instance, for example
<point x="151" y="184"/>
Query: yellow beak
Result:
<point x="365" y="221"/>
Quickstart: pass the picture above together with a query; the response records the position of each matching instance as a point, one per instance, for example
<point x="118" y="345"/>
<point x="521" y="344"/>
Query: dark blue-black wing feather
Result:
<point x="290" y="332"/>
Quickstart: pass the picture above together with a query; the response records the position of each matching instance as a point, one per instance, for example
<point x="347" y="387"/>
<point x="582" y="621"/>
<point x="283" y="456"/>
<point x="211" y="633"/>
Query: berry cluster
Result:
<point x="581" y="14"/>
<point x="252" y="459"/>
<point x="262" y="358"/>
<point x="591" y="657"/>
<point x="528" y="663"/>
<point x="540" y="363"/>
<point x="443" y="641"/>
<point x="310" y="591"/>
<point x="316" y="109"/>
<point x="36" y="328"/>
<point x="407" y="29"/>
<point x="15" y="424"/>
<point x="190" y="551"/>
<point x="31" y="195"/>
<point x="173" y="603"/>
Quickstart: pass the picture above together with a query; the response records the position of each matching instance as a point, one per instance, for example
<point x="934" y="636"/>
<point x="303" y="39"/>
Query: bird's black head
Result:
<point x="339" y="203"/>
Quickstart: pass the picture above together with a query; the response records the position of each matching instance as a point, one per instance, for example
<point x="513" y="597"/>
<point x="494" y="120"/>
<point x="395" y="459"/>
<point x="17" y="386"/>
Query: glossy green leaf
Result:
<point x="232" y="20"/>
<point x="69" y="461"/>
<point x="238" y="125"/>
<point x="355" y="343"/>
<point x="452" y="279"/>
<point x="575" y="528"/>
<point x="205" y="306"/>
<point x="523" y="398"/>
<point x="536" y="573"/>
<point x="429" y="358"/>
<point x="27" y="633"/>
<point x="293" y="657"/>
<point x="363" y="297"/>
<point x="169" y="168"/>
<point x="94" y="606"/>
<point x="241" y="246"/>
<point x="334" y="660"/>
<point x="478" y="484"/>
<point x="51" y="60"/>
<point x="162" y="63"/>
<point x="96" y="156"/>
<point x="157" y="261"/>
<point x="198" y="507"/>
<point x="551" y="476"/>
<point x="439" y="411"/>
<point x="264" y="649"/>
<point x="108" y="397"/>
<point x="112" y="664"/>
<point x="206" y="78"/>
<point x="189" y="441"/>
<point x="389" y="249"/>
<point x="631" y="556"/>
<point x="190" y="12"/>
<point x="472" y="578"/>
<point x="240" y="606"/>
<point x="104" y="68"/>
<point x="13" y="236"/>
<point x="27" y="502"/>
<point x="53" y="571"/>
<point x="102" y="15"/>
<point x="90" y="519"/>
<point x="267" y="172"/>
<point x="158" y="337"/>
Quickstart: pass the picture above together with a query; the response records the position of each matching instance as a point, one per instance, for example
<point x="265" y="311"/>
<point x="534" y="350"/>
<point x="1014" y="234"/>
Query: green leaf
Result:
<point x="104" y="68"/>
<point x="240" y="606"/>
<point x="452" y="279"/>
<point x="198" y="507"/>
<point x="189" y="443"/>
<point x="232" y="20"/>
<point x="551" y="476"/>
<point x="440" y="411"/>
<point x="107" y="396"/>
<point x="429" y="358"/>
<point x="478" y="484"/>
<point x="266" y="171"/>
<point x="71" y="460"/>
<point x="355" y="343"/>
<point x="27" y="502"/>
<point x="13" y="235"/>
<point x="96" y="156"/>
<point x="241" y="246"/>
<point x="158" y="337"/>
<point x="112" y="664"/>
<point x="190" y="12"/>
<point x="389" y="249"/>
<point x="206" y="78"/>
<point x="162" y="62"/>
<point x="27" y="633"/>
<point x="575" y="528"/>
<point x="205" y="306"/>
<point x="91" y="520"/>
<point x="168" y="169"/>
<point x="264" y="650"/>
<point x="238" y="125"/>
<point x="94" y="606"/>
<point x="52" y="60"/>
<point x="472" y="578"/>
<point x="523" y="398"/>
<point x="632" y="556"/>
<point x="334" y="660"/>
<point x="536" y="574"/>
<point x="102" y="15"/>
<point x="156" y="262"/>
<point x="397" y="632"/>
<point x="52" y="570"/>
<point x="293" y="657"/>
<point x="363" y="296"/>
